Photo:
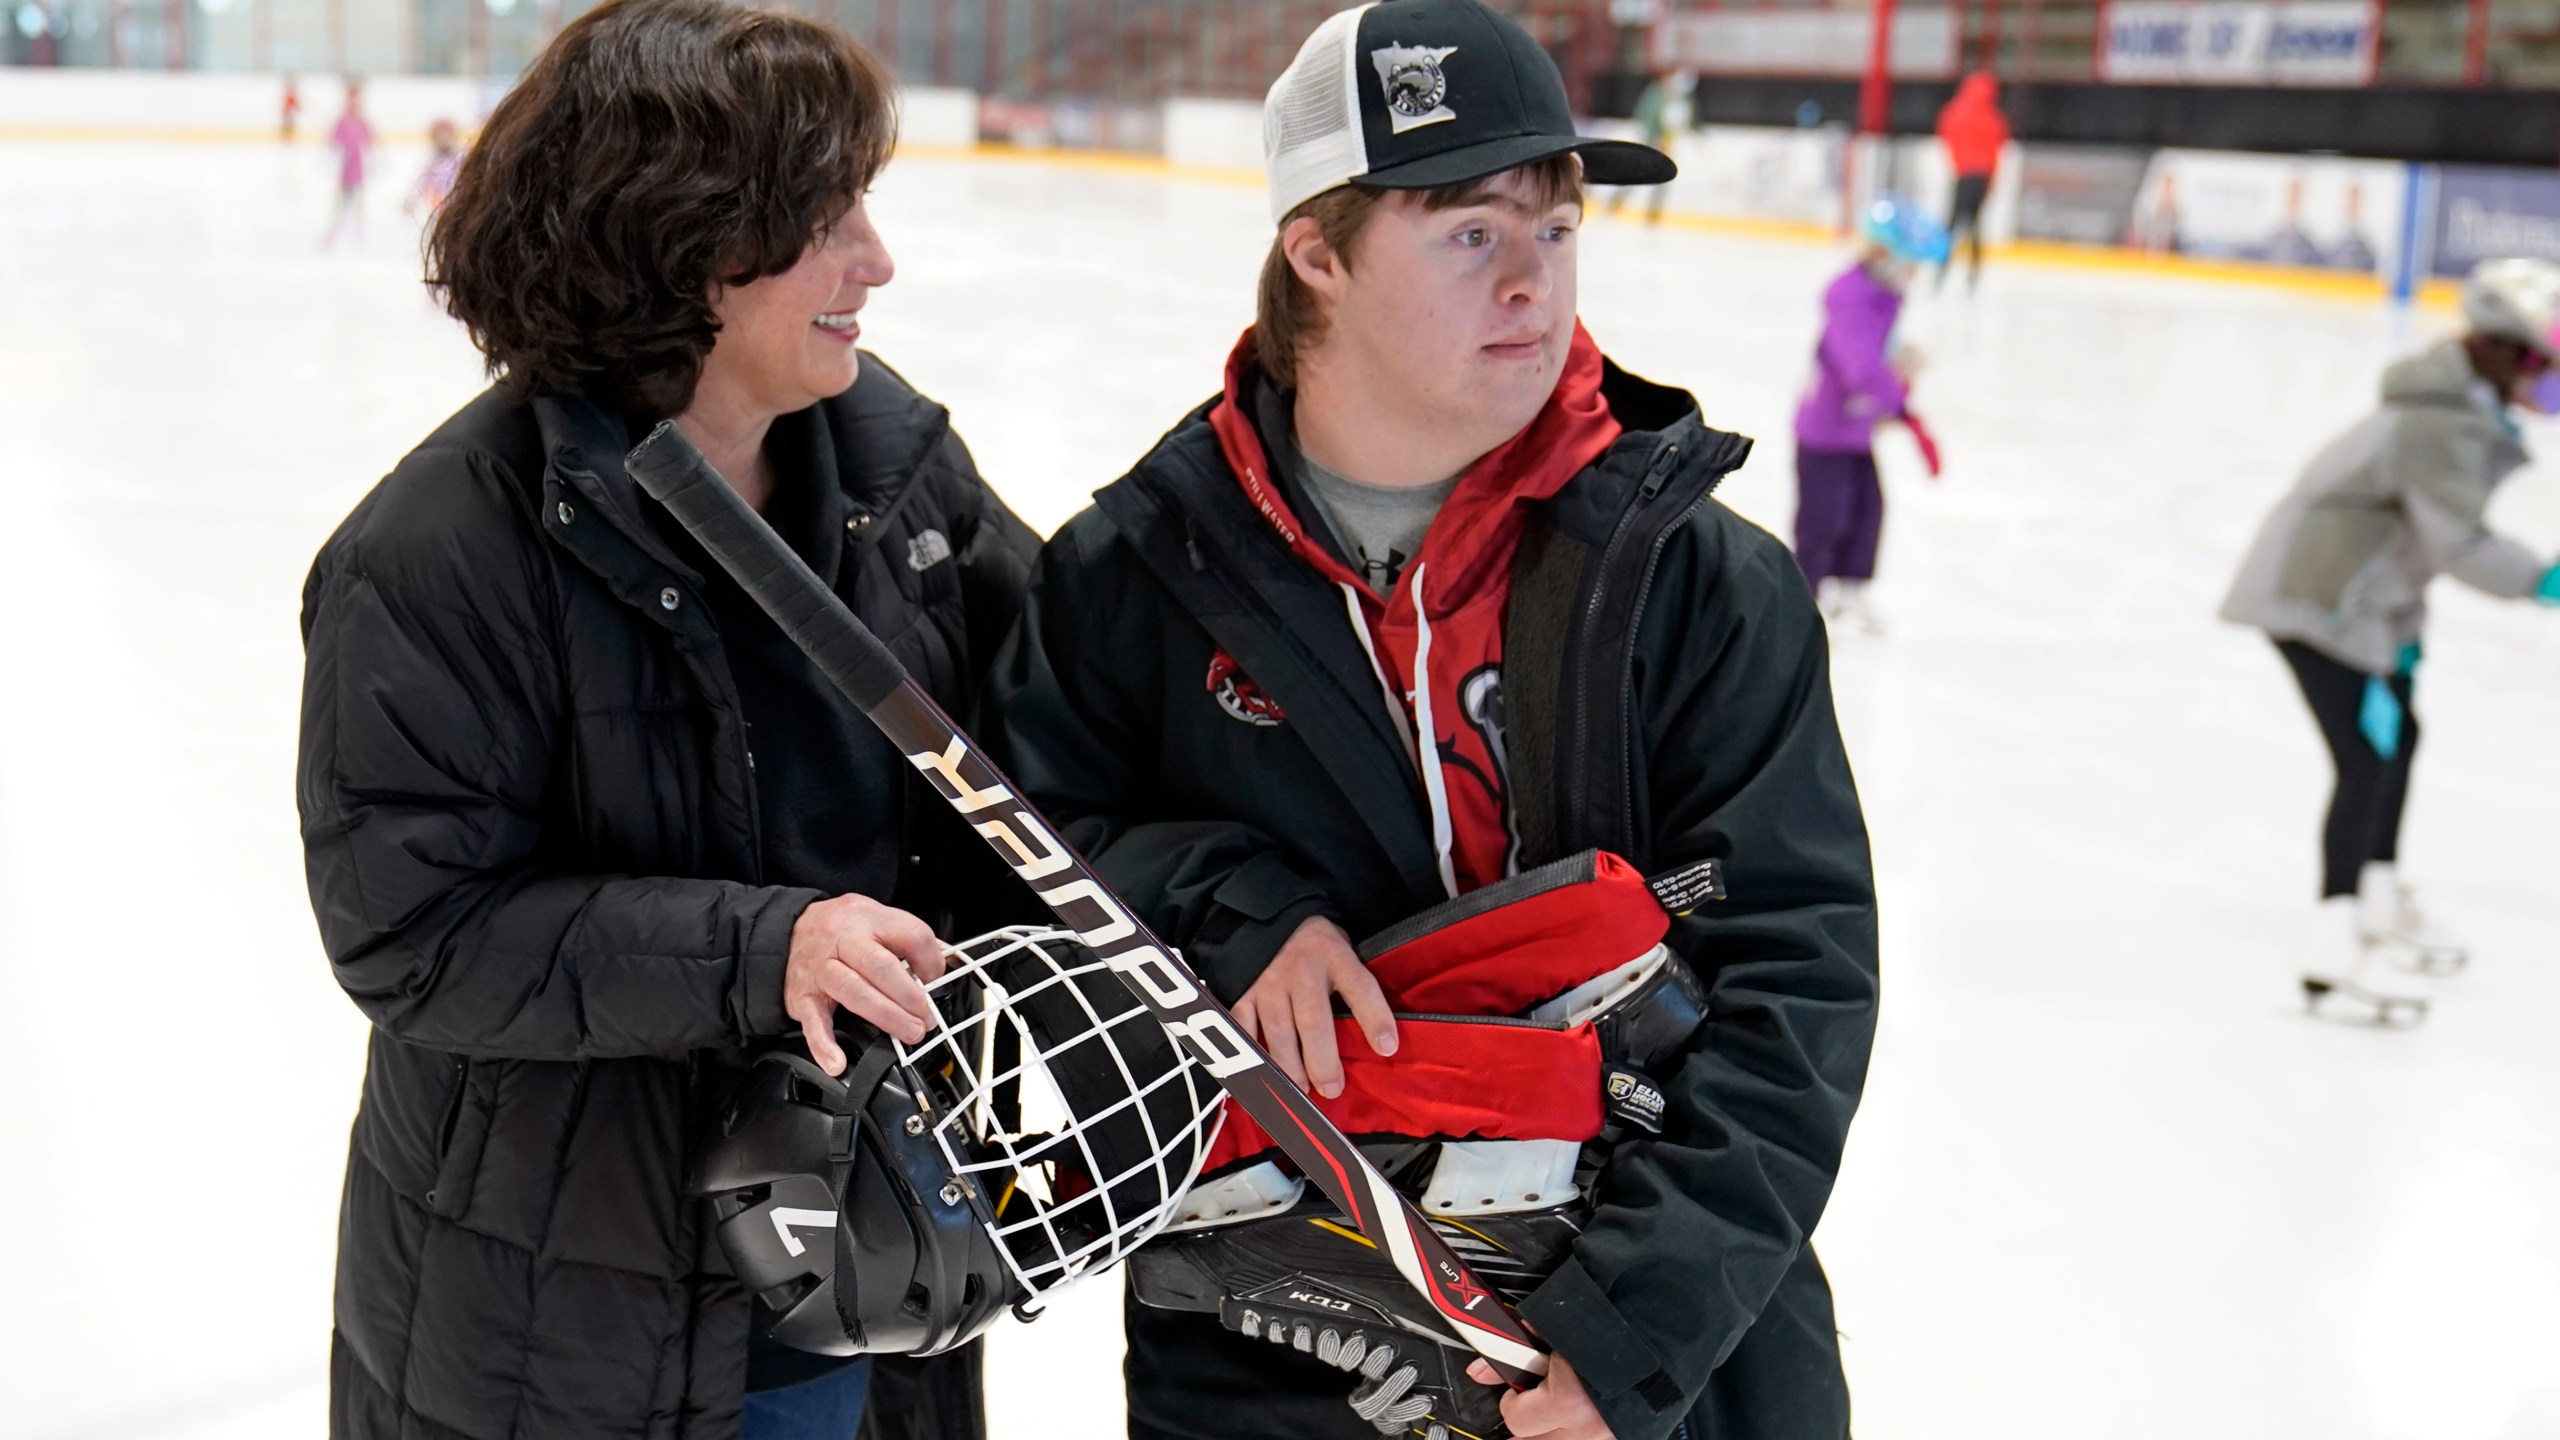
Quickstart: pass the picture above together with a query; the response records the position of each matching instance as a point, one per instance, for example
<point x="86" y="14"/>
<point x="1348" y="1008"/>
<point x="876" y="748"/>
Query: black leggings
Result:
<point x="1964" y="220"/>
<point x="2364" y="812"/>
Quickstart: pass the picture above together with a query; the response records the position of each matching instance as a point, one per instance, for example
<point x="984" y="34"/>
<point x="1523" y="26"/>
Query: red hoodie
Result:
<point x="1972" y="127"/>
<point x="1463" y="576"/>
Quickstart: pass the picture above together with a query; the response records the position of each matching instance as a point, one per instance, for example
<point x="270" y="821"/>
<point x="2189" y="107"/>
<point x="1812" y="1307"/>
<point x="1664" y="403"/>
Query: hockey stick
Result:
<point x="667" y="465"/>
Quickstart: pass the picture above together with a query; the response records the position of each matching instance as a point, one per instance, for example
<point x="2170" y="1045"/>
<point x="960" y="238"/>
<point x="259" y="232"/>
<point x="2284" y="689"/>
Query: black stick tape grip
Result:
<point x="667" y="465"/>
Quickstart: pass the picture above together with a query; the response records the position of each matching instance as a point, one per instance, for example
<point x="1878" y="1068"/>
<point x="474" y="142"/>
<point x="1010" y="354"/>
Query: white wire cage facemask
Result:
<point x="1073" y="1122"/>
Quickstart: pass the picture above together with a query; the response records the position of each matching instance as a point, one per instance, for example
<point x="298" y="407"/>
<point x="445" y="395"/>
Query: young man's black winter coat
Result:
<point x="531" y="831"/>
<point x="1693" y="720"/>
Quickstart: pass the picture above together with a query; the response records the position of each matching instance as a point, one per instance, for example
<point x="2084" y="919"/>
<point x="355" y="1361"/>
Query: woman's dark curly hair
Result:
<point x="656" y="150"/>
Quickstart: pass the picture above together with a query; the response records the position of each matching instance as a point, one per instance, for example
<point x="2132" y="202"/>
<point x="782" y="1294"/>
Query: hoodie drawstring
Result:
<point x="1369" y="647"/>
<point x="1427" y="743"/>
<point x="1423" y="744"/>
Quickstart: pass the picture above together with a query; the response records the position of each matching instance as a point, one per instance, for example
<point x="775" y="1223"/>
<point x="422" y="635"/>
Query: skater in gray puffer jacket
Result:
<point x="2338" y="578"/>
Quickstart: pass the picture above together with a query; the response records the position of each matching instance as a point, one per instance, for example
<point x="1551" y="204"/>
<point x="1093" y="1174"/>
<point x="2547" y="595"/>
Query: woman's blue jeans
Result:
<point x="827" y="1408"/>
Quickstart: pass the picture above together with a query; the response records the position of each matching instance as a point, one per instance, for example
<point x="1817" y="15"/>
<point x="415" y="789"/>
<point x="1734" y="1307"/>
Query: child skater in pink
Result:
<point x="1860" y="380"/>
<point x="352" y="139"/>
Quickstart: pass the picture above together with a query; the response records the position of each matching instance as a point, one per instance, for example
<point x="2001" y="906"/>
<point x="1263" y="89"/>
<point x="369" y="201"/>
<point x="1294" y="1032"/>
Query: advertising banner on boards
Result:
<point x="2315" y="211"/>
<point x="2081" y="194"/>
<point x="2238" y="42"/>
<point x="2486" y="213"/>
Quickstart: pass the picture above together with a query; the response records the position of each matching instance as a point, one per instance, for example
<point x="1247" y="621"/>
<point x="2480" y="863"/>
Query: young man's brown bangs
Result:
<point x="1286" y="316"/>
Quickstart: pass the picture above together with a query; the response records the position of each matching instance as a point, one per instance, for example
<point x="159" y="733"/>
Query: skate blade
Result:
<point x="2350" y="1005"/>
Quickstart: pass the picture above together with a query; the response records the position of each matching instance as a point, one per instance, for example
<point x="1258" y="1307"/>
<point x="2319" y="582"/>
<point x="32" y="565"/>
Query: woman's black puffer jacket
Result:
<point x="531" y="836"/>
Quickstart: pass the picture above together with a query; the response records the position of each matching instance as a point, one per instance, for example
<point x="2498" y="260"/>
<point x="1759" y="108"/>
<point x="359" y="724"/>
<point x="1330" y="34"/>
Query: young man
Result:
<point x="1263" y="683"/>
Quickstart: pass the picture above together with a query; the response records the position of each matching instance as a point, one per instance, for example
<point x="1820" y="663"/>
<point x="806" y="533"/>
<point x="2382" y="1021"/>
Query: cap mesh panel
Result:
<point x="1311" y="138"/>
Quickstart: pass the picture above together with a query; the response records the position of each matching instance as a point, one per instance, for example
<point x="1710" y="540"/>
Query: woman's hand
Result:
<point x="1290" y="1009"/>
<point x="1557" y="1406"/>
<point x="871" y="959"/>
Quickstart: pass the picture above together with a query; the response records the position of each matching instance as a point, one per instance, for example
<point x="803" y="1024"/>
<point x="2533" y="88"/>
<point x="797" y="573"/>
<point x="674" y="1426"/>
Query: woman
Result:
<point x="582" y="826"/>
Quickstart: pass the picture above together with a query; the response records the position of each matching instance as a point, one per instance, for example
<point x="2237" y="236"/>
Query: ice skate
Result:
<point x="2391" y="920"/>
<point x="1852" y="607"/>
<point x="1826" y="598"/>
<point x="2342" y="994"/>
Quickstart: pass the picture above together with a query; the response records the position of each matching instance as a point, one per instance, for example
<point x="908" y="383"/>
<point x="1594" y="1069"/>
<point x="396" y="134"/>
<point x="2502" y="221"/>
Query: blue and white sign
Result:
<point x="2487" y="213"/>
<point x="2237" y="42"/>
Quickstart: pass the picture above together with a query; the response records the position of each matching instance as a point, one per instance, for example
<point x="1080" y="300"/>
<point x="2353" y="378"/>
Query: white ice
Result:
<point x="2107" y="1181"/>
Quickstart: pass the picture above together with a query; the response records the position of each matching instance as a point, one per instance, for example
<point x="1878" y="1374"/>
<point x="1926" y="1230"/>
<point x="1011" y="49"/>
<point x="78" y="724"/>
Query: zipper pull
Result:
<point x="1659" y="472"/>
<point x="1191" y="545"/>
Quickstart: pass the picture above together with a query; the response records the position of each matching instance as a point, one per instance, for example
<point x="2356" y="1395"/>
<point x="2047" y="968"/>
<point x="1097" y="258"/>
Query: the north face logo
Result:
<point x="928" y="550"/>
<point x="1239" y="696"/>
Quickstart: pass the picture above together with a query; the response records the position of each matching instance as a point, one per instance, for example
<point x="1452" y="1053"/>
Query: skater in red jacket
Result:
<point x="1974" y="132"/>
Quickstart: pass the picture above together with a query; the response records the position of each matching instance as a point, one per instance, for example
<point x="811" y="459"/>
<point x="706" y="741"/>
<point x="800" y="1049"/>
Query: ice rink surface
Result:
<point x="2107" y="1181"/>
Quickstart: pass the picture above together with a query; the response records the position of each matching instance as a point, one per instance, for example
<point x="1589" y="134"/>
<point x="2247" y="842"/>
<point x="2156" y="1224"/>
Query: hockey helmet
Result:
<point x="1041" y="1130"/>
<point x="2515" y="299"/>
<point x="837" y="1211"/>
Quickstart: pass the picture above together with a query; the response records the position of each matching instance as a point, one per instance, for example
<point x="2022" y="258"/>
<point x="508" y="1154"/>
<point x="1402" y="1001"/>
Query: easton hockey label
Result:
<point x="1688" y="887"/>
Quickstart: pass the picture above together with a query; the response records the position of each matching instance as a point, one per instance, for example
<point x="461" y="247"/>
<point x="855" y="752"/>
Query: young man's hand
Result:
<point x="1557" y="1407"/>
<point x="871" y="959"/>
<point x="1290" y="1009"/>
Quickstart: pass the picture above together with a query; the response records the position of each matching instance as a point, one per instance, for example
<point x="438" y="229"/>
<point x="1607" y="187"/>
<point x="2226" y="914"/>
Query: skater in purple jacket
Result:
<point x="1860" y="379"/>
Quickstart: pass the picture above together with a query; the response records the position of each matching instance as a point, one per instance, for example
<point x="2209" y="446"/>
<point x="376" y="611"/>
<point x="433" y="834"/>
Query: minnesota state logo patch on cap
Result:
<point x="1417" y="88"/>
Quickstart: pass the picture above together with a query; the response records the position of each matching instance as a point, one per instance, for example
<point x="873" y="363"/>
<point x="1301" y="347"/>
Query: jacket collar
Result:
<point x="583" y="444"/>
<point x="1192" y="527"/>
<point x="809" y="511"/>
<point x="864" y="451"/>
<point x="1472" y="535"/>
<point x="1195" y="486"/>
<point x="1183" y="512"/>
<point x="884" y="434"/>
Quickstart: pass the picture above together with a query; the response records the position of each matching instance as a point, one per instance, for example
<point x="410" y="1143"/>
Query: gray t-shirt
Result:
<point x="1380" y="527"/>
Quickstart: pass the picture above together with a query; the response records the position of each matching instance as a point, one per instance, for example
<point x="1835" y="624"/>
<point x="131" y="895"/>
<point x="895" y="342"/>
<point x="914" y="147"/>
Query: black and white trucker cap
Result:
<point x="1415" y="94"/>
